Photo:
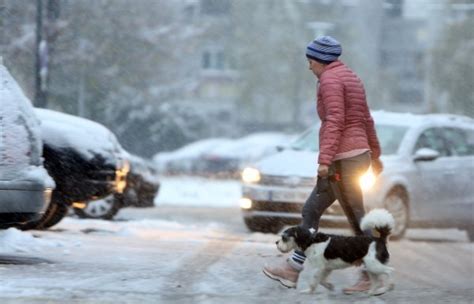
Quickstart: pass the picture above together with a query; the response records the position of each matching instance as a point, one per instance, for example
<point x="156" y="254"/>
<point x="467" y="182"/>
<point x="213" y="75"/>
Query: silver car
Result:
<point x="427" y="178"/>
<point x="25" y="186"/>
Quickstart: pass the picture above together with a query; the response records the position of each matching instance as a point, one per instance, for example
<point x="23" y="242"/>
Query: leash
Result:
<point x="333" y="181"/>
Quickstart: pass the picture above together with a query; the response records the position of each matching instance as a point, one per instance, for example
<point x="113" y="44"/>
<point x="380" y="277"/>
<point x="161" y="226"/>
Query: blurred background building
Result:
<point x="176" y="71"/>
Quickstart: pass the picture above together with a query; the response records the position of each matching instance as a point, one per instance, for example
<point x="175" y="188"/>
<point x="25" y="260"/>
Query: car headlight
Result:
<point x="245" y="203"/>
<point x="250" y="175"/>
<point x="367" y="181"/>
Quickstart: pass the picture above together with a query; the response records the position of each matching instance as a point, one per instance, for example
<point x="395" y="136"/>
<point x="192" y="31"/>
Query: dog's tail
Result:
<point x="380" y="220"/>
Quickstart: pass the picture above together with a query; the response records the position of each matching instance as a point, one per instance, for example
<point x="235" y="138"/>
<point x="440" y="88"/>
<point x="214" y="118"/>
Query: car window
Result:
<point x="432" y="139"/>
<point x="459" y="141"/>
<point x="309" y="140"/>
<point x="390" y="137"/>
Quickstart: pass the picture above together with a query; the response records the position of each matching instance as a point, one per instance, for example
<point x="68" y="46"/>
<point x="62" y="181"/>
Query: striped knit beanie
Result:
<point x="324" y="49"/>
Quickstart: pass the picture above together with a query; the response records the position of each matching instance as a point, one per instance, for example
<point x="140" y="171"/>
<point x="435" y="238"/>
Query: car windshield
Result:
<point x="390" y="137"/>
<point x="309" y="140"/>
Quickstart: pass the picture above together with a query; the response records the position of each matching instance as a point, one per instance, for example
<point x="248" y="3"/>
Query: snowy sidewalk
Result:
<point x="199" y="192"/>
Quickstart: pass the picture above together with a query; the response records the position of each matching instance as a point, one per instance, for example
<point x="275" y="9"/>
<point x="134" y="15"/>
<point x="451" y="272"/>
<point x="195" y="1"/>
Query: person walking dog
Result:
<point x="348" y="146"/>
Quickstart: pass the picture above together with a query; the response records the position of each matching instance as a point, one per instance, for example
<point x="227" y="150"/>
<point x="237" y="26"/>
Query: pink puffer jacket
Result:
<point x="347" y="128"/>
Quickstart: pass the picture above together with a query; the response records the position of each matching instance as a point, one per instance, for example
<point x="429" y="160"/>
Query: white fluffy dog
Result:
<point x="326" y="252"/>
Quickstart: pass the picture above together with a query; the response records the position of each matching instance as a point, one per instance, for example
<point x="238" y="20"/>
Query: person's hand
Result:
<point x="322" y="185"/>
<point x="377" y="166"/>
<point x="323" y="171"/>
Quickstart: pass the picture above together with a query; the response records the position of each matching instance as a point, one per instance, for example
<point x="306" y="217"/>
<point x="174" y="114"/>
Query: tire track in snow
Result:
<point x="193" y="270"/>
<point x="429" y="264"/>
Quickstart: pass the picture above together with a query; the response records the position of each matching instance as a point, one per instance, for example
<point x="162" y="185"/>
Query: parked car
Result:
<point x="227" y="160"/>
<point x="185" y="160"/>
<point x="142" y="187"/>
<point x="427" y="178"/>
<point x="25" y="186"/>
<point x="85" y="160"/>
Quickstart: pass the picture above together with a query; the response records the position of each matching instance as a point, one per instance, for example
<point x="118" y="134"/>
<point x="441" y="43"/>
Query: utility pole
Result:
<point x="52" y="32"/>
<point x="45" y="36"/>
<point x="41" y="51"/>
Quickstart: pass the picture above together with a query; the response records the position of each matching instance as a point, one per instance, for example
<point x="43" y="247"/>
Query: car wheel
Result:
<point x="56" y="216"/>
<point x="396" y="203"/>
<point x="53" y="215"/>
<point x="263" y="225"/>
<point x="104" y="209"/>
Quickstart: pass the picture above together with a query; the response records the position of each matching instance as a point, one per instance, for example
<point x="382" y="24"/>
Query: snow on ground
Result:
<point x="146" y="258"/>
<point x="198" y="192"/>
<point x="175" y="192"/>
<point x="31" y="242"/>
<point x="16" y="241"/>
<point x="198" y="251"/>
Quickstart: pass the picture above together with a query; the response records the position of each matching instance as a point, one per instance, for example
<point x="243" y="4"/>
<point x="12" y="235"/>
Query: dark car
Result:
<point x="85" y="160"/>
<point x="25" y="186"/>
<point x="142" y="187"/>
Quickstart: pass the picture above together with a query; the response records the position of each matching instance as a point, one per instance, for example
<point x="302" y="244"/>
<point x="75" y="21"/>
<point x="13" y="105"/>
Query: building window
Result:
<point x="220" y="60"/>
<point x="206" y="60"/>
<point x="216" y="60"/>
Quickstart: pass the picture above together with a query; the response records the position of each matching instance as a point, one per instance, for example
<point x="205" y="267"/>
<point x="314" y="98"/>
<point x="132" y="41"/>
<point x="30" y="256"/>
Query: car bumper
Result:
<point x="90" y="189"/>
<point x="285" y="205"/>
<point x="290" y="213"/>
<point x="22" y="201"/>
<point x="103" y="184"/>
<point x="99" y="188"/>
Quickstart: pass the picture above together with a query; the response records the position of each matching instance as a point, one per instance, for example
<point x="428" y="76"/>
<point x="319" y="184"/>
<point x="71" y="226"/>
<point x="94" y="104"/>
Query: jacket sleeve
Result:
<point x="372" y="135"/>
<point x="332" y="98"/>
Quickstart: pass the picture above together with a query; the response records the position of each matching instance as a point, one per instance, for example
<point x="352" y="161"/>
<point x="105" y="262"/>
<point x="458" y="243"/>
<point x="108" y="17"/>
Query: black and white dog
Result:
<point x="326" y="252"/>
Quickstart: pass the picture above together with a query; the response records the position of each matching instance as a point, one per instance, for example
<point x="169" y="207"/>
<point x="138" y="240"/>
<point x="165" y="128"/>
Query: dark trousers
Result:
<point x="347" y="191"/>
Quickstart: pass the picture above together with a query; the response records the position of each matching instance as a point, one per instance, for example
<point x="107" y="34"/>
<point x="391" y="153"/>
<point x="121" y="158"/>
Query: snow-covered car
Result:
<point x="229" y="159"/>
<point x="25" y="186"/>
<point x="142" y="187"/>
<point x="185" y="159"/>
<point x="85" y="160"/>
<point x="427" y="178"/>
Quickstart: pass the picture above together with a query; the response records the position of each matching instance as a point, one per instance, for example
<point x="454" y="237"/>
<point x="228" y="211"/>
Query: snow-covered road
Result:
<point x="172" y="254"/>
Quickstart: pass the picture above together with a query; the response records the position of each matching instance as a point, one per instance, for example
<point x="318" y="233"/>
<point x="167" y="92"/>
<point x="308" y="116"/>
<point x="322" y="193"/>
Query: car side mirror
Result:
<point x="426" y="154"/>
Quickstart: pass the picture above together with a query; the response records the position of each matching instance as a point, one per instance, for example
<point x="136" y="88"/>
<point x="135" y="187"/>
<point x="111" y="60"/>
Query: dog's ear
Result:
<point x="302" y="237"/>
<point x="302" y="233"/>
